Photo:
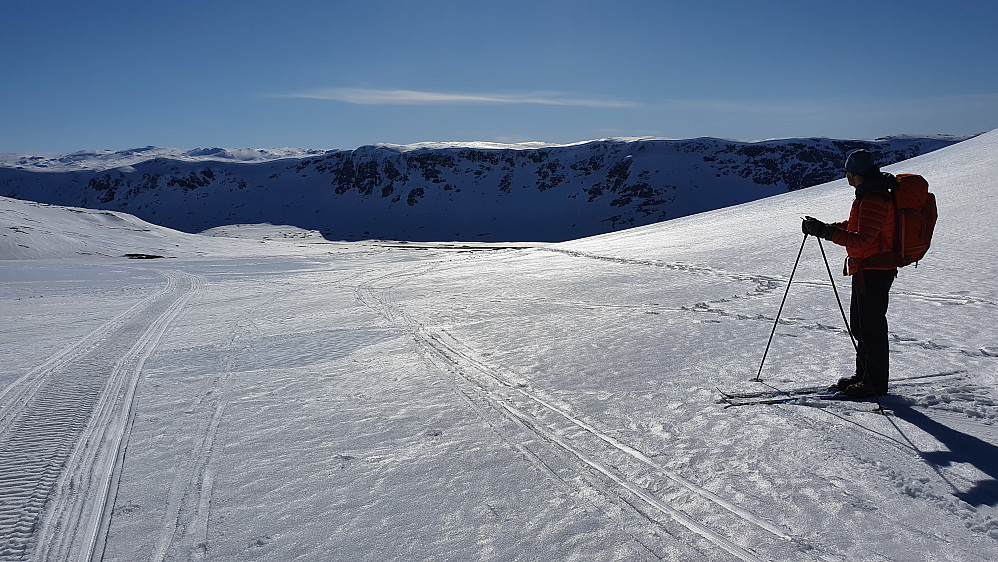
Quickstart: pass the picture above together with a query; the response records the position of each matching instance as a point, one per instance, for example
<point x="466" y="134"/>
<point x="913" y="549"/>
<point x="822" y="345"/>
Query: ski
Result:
<point x="733" y="402"/>
<point x="786" y="399"/>
<point x="774" y="393"/>
<point x="794" y="398"/>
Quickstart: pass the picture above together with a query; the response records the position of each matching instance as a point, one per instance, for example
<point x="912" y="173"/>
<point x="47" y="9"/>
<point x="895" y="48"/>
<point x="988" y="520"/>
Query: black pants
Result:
<point x="868" y="316"/>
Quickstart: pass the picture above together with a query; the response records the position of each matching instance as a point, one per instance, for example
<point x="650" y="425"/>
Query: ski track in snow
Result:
<point x="626" y="471"/>
<point x="766" y="284"/>
<point x="865" y="434"/>
<point x="185" y="533"/>
<point x="621" y="427"/>
<point x="709" y="517"/>
<point x="64" y="431"/>
<point x="72" y="509"/>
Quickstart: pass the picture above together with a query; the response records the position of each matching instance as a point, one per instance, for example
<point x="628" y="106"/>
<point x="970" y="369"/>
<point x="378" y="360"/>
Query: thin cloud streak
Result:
<point x="374" y="96"/>
<point x="361" y="96"/>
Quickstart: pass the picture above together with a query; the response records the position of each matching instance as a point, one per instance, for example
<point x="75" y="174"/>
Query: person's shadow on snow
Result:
<point x="962" y="448"/>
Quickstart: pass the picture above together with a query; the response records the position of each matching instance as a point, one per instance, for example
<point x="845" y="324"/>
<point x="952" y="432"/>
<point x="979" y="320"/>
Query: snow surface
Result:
<point x="274" y="397"/>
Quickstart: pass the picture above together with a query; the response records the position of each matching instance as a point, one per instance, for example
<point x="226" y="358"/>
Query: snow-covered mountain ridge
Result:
<point x="293" y="398"/>
<point x="101" y="160"/>
<point x="441" y="191"/>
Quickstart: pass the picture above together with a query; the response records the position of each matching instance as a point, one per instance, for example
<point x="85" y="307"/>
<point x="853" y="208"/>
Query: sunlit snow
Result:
<point x="262" y="394"/>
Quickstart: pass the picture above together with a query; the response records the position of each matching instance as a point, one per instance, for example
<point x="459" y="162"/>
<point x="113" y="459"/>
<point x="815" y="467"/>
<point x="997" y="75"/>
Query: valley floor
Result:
<point x="553" y="403"/>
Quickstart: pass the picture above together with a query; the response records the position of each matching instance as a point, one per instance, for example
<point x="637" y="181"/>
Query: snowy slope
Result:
<point x="34" y="230"/>
<point x="441" y="191"/>
<point x="413" y="401"/>
<point x="31" y="230"/>
<point x="756" y="236"/>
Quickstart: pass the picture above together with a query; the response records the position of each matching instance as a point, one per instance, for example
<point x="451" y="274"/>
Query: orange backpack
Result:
<point x="914" y="218"/>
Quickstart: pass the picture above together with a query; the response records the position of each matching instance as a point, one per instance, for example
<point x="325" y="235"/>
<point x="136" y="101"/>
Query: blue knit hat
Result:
<point x="860" y="162"/>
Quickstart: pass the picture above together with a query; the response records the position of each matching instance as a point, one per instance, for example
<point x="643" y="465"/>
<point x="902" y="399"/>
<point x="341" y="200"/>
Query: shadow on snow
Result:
<point x="963" y="448"/>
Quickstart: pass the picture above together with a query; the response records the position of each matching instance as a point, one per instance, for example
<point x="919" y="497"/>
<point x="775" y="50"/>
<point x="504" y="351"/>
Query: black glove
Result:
<point x="815" y="227"/>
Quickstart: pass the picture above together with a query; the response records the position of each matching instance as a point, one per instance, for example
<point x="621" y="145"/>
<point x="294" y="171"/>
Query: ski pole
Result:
<point x="837" y="299"/>
<point x="780" y="311"/>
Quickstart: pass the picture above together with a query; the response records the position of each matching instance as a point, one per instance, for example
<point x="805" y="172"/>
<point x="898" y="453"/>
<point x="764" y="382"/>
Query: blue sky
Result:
<point x="329" y="74"/>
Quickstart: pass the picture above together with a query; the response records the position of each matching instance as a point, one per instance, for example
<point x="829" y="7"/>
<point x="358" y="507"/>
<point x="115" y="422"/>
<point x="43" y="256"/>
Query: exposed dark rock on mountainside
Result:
<point x="453" y="193"/>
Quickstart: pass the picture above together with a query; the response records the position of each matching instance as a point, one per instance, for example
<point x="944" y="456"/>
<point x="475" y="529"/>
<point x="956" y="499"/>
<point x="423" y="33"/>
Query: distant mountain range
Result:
<point x="442" y="191"/>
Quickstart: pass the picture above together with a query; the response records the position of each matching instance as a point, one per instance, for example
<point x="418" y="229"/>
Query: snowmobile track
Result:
<point x="65" y="432"/>
<point x="19" y="393"/>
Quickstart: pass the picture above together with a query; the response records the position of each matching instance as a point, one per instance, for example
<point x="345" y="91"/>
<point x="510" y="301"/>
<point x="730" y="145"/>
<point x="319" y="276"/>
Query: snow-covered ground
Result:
<point x="276" y="397"/>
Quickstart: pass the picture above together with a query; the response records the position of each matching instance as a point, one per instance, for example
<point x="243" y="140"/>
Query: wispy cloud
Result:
<point x="362" y="96"/>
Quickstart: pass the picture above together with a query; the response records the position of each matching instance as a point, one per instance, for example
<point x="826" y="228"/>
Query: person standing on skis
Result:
<point x="868" y="237"/>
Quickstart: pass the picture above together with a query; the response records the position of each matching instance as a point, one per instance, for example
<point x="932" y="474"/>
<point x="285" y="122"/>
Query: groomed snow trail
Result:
<point x="64" y="431"/>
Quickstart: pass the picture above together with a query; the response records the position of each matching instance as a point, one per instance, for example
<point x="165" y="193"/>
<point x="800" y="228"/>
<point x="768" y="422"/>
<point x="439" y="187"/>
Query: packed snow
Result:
<point x="263" y="394"/>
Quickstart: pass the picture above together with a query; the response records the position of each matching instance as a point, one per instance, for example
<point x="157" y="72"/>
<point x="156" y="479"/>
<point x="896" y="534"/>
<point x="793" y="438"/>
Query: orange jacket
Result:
<point x="869" y="234"/>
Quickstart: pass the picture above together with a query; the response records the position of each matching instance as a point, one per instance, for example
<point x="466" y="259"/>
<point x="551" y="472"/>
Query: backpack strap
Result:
<point x="898" y="225"/>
